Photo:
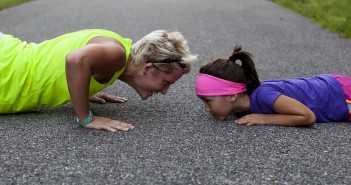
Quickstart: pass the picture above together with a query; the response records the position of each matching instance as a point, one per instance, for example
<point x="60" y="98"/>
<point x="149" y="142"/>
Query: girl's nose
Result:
<point x="164" y="91"/>
<point x="207" y="108"/>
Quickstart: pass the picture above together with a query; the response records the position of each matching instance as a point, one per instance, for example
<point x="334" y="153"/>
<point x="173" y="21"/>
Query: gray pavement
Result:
<point x="175" y="141"/>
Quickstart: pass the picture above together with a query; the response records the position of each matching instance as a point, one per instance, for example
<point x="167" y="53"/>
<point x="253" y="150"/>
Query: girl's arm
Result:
<point x="290" y="112"/>
<point x="100" y="61"/>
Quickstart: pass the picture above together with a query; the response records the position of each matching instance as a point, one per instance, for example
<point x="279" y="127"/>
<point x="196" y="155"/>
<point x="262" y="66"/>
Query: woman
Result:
<point x="75" y="66"/>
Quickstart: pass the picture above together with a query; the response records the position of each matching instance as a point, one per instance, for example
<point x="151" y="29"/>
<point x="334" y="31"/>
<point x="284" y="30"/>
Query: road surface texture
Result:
<point x="175" y="141"/>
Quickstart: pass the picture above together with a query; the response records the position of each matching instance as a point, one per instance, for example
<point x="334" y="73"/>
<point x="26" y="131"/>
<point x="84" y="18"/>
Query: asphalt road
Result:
<point x="175" y="141"/>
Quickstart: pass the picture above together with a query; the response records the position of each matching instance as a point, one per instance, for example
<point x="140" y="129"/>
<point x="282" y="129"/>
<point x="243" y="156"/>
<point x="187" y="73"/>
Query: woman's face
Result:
<point x="156" y="81"/>
<point x="219" y="107"/>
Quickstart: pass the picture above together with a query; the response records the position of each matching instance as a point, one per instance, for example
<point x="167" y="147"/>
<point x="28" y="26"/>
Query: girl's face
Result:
<point x="219" y="107"/>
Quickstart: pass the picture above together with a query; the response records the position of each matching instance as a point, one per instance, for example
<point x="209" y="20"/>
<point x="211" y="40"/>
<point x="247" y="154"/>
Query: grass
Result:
<point x="334" y="15"/>
<point x="8" y="3"/>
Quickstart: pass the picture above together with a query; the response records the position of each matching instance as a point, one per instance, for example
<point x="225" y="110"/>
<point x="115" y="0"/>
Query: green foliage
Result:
<point x="334" y="15"/>
<point x="9" y="3"/>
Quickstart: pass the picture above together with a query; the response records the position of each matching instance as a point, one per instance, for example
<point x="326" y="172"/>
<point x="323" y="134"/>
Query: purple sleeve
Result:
<point x="262" y="99"/>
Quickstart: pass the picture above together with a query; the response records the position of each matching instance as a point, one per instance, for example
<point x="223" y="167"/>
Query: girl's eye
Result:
<point x="206" y="100"/>
<point x="166" y="83"/>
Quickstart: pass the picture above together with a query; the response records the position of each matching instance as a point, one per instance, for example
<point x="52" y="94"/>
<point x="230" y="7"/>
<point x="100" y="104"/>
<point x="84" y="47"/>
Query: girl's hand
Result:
<point x="103" y="98"/>
<point x="109" y="124"/>
<point x="252" y="119"/>
<point x="289" y="112"/>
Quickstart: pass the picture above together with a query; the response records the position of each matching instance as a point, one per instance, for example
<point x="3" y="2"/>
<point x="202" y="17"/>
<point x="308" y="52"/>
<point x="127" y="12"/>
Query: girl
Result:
<point x="226" y="87"/>
<point x="75" y="66"/>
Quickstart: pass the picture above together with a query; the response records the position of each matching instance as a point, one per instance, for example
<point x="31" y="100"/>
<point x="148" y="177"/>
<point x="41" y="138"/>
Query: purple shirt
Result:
<point x="322" y="94"/>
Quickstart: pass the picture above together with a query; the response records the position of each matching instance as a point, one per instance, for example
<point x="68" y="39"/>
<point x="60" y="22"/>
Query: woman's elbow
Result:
<point x="70" y="60"/>
<point x="73" y="61"/>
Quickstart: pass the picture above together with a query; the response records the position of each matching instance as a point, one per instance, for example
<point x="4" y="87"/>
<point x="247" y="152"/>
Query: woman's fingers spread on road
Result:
<point x="109" y="124"/>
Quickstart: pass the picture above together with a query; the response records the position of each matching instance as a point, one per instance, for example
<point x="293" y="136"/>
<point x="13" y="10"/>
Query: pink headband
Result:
<point x="207" y="85"/>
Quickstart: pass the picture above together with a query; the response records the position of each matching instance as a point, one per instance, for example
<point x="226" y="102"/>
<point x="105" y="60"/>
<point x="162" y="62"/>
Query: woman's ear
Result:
<point x="146" y="68"/>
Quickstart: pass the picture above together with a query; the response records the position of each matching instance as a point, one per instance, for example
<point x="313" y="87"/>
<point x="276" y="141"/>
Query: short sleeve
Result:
<point x="262" y="99"/>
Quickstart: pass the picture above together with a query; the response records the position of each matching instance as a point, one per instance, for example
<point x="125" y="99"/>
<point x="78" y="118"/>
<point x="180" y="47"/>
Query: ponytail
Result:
<point x="248" y="65"/>
<point x="228" y="69"/>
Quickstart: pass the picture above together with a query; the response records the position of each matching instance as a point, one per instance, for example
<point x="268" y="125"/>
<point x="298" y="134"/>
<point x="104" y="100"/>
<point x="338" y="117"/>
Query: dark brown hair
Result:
<point x="229" y="69"/>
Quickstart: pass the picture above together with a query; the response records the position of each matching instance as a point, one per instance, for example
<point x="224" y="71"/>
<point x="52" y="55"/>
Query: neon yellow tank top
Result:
<point x="33" y="75"/>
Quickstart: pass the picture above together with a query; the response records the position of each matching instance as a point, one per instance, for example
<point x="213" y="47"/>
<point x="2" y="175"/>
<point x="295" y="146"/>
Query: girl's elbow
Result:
<point x="311" y="119"/>
<point x="306" y="119"/>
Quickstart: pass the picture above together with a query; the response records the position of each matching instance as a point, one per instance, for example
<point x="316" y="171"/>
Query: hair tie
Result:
<point x="231" y="58"/>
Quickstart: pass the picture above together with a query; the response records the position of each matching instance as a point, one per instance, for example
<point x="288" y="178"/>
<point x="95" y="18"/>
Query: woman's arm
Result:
<point x="290" y="112"/>
<point x="100" y="60"/>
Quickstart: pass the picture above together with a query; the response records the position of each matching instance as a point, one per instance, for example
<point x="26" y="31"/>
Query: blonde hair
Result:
<point x="166" y="50"/>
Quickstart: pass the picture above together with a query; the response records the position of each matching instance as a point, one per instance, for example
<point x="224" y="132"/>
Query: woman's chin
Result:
<point x="144" y="96"/>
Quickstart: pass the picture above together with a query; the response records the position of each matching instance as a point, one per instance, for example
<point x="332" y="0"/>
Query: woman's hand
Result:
<point x="103" y="98"/>
<point x="109" y="124"/>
